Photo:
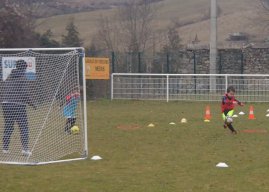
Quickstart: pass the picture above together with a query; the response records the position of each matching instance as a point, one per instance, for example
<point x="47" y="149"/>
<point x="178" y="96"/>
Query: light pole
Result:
<point x="213" y="44"/>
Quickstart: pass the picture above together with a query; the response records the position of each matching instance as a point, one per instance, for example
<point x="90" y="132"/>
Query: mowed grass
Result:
<point x="138" y="158"/>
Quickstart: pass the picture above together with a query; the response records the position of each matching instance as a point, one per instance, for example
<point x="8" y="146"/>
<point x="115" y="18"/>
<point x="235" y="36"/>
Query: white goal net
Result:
<point x="43" y="109"/>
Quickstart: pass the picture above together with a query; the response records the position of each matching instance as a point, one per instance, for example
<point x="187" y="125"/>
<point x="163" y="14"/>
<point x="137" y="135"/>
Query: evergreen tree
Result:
<point x="46" y="41"/>
<point x="72" y="38"/>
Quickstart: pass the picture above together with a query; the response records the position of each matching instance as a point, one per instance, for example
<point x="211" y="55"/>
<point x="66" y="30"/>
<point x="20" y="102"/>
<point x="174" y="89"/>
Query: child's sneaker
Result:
<point x="224" y="126"/>
<point x="5" y="151"/>
<point x="26" y="153"/>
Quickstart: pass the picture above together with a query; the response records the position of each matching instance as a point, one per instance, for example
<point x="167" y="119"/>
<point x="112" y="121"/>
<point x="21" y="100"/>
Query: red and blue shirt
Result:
<point x="72" y="101"/>
<point x="227" y="103"/>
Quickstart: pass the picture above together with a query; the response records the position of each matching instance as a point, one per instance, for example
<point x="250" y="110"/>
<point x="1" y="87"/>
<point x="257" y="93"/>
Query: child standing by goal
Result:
<point x="69" y="110"/>
<point x="227" y="108"/>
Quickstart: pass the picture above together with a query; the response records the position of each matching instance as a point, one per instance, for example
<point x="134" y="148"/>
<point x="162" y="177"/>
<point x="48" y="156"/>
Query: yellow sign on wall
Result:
<point x="97" y="68"/>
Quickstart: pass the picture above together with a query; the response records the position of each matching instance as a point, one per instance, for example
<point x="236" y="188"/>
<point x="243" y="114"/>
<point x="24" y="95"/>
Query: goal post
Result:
<point x="43" y="112"/>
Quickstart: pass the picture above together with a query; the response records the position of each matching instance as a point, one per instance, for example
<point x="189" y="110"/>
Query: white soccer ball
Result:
<point x="229" y="119"/>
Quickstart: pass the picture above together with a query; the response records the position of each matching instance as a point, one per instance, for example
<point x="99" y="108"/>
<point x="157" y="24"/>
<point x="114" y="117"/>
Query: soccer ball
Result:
<point x="229" y="119"/>
<point x="75" y="130"/>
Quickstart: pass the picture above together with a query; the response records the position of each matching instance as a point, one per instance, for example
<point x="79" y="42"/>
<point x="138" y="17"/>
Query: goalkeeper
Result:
<point x="69" y="111"/>
<point x="15" y="97"/>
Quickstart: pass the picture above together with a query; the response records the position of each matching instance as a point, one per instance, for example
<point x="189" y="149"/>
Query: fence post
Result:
<point x="194" y="70"/>
<point x="220" y="62"/>
<point x="167" y="88"/>
<point x="167" y="62"/>
<point x="226" y="82"/>
<point x="113" y="61"/>
<point x="194" y="62"/>
<point x="242" y="68"/>
<point x="139" y="62"/>
<point x="242" y="63"/>
<point x="112" y="86"/>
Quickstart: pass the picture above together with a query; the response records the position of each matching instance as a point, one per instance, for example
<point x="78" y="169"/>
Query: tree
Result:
<point x="130" y="29"/>
<point x="136" y="23"/>
<point x="172" y="49"/>
<point x="173" y="42"/>
<point x="16" y="28"/>
<point x="108" y="34"/>
<point x="72" y="38"/>
<point x="45" y="40"/>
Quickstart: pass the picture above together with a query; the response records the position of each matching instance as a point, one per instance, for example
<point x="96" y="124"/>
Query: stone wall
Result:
<point x="229" y="61"/>
<point x="256" y="61"/>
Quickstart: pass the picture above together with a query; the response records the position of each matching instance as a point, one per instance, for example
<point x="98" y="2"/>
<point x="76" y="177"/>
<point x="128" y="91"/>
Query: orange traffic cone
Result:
<point x="207" y="113"/>
<point x="251" y="113"/>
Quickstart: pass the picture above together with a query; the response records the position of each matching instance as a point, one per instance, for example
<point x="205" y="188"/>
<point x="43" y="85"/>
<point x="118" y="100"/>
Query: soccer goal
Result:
<point x="43" y="106"/>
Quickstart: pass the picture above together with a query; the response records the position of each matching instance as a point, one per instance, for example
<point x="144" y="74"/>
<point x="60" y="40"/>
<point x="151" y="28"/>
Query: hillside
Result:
<point x="191" y="17"/>
<point x="47" y="8"/>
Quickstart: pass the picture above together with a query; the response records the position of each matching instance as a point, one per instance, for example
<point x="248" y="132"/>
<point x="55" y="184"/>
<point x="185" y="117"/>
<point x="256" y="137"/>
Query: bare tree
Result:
<point x="108" y="33"/>
<point x="173" y="41"/>
<point x="136" y="23"/>
<point x="130" y="29"/>
<point x="16" y="27"/>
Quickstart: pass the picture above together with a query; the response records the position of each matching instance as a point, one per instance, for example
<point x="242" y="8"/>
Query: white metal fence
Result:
<point x="249" y="88"/>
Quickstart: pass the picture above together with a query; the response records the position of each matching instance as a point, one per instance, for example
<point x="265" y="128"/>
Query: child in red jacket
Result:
<point x="227" y="108"/>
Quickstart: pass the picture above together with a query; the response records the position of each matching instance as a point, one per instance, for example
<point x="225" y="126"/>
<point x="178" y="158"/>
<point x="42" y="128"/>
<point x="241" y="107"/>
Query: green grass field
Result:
<point x="138" y="158"/>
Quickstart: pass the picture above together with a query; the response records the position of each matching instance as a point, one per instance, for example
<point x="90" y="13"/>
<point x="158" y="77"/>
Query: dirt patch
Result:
<point x="128" y="127"/>
<point x="254" y="131"/>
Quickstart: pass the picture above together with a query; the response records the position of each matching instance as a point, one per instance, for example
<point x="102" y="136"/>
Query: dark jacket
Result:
<point x="16" y="89"/>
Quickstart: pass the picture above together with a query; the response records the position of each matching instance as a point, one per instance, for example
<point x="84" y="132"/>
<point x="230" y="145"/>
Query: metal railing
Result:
<point x="192" y="87"/>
